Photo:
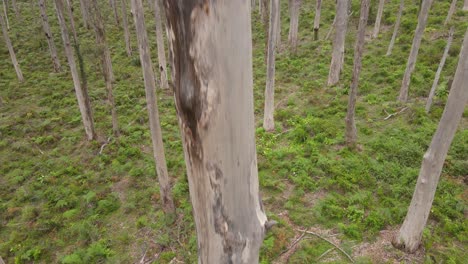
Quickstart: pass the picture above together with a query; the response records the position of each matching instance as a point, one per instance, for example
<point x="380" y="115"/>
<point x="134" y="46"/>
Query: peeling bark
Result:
<point x="318" y="8"/>
<point x="48" y="34"/>
<point x="19" y="74"/>
<point x="128" y="45"/>
<point x="378" y="19"/>
<point x="294" y="8"/>
<point x="341" y="25"/>
<point x="160" y="43"/>
<point x="453" y="5"/>
<point x="395" y="29"/>
<point x="214" y="100"/>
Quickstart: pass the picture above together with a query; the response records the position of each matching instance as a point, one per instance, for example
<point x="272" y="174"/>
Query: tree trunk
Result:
<point x="318" y="8"/>
<point x="268" y="119"/>
<point x="439" y="70"/>
<point x="5" y="13"/>
<point x="339" y="43"/>
<point x="214" y="99"/>
<point x="115" y="11"/>
<point x="106" y="61"/>
<point x="294" y="6"/>
<point x="409" y="236"/>
<point x="264" y="11"/>
<point x="453" y="5"/>
<point x="160" y="43"/>
<point x="378" y="19"/>
<point x="422" y="21"/>
<point x="151" y="101"/>
<point x="465" y="5"/>
<point x="48" y="34"/>
<point x="128" y="45"/>
<point x="84" y="12"/>
<point x="72" y="20"/>
<point x="278" y="39"/>
<point x="10" y="49"/>
<point x="81" y="91"/>
<point x="331" y="29"/>
<point x="395" y="29"/>
<point x="15" y="7"/>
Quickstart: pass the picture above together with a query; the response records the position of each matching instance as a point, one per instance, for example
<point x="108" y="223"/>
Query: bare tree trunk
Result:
<point x="128" y="45"/>
<point x="337" y="61"/>
<point x="409" y="236"/>
<point x="160" y="42"/>
<point x="15" y="7"/>
<point x="5" y="13"/>
<point x="294" y="7"/>
<point x="48" y="34"/>
<point x="84" y="12"/>
<point x="151" y="101"/>
<point x="115" y="11"/>
<point x="72" y="20"/>
<point x="268" y="119"/>
<point x="351" y="132"/>
<point x="422" y="21"/>
<point x="214" y="99"/>
<point x="263" y="5"/>
<point x="453" y="5"/>
<point x="465" y="5"/>
<point x="378" y="19"/>
<point x="318" y="8"/>
<point x="106" y="61"/>
<point x="10" y="49"/>
<point x="81" y="91"/>
<point x="439" y="70"/>
<point x="395" y="29"/>
<point x="278" y="39"/>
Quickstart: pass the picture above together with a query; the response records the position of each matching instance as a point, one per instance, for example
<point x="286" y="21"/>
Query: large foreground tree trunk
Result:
<point x="409" y="236"/>
<point x="48" y="34"/>
<point x="214" y="99"/>
<point x="341" y="25"/>
<point x="351" y="132"/>
<point x="19" y="74"/>
<point x="395" y="29"/>
<point x="375" y="33"/>
<point x="81" y="91"/>
<point x="151" y="101"/>
<point x="422" y="21"/>
<point x="294" y="7"/>
<point x="318" y="8"/>
<point x="268" y="119"/>
<point x="453" y="5"/>
<point x="128" y="45"/>
<point x="160" y="43"/>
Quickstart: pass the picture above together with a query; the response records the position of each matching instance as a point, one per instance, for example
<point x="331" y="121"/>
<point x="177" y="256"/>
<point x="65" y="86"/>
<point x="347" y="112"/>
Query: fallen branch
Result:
<point x="394" y="114"/>
<point x="103" y="145"/>
<point x="325" y="253"/>
<point x="293" y="244"/>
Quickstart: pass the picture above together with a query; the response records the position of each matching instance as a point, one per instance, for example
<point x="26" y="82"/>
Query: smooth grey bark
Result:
<point x="294" y="8"/>
<point x="151" y="101"/>
<point x="395" y="29"/>
<point x="375" y="33"/>
<point x="278" y="39"/>
<point x="115" y="11"/>
<point x="410" y="233"/>
<point x="465" y="5"/>
<point x="439" y="70"/>
<point x="7" y="39"/>
<point x="337" y="60"/>
<point x="318" y="8"/>
<point x="453" y="5"/>
<point x="214" y="100"/>
<point x="48" y="34"/>
<point x="128" y="45"/>
<point x="422" y="21"/>
<point x="72" y="20"/>
<point x="160" y="43"/>
<point x="84" y="12"/>
<point x="80" y="90"/>
<point x="351" y="132"/>
<point x="268" y="118"/>
<point x="5" y="13"/>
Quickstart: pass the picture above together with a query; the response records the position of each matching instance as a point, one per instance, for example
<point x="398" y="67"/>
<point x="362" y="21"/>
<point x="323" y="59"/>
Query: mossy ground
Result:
<point x="63" y="202"/>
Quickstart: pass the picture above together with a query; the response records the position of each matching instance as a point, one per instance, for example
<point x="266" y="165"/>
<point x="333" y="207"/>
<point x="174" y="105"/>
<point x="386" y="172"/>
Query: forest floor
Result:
<point x="66" y="200"/>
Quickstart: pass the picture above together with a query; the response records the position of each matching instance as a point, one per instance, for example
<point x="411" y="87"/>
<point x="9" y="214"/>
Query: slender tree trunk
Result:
<point x="409" y="236"/>
<point x="160" y="42"/>
<point x="439" y="70"/>
<point x="151" y="101"/>
<point x="422" y="21"/>
<point x="318" y="8"/>
<point x="264" y="11"/>
<point x="128" y="45"/>
<point x="268" y="119"/>
<point x="465" y="5"/>
<point x="15" y="7"/>
<point x="72" y="20"/>
<point x="339" y="43"/>
<point x="214" y="99"/>
<point x="294" y="7"/>
<point x="453" y="5"/>
<point x="84" y="12"/>
<point x="331" y="29"/>
<point x="378" y="19"/>
<point x="48" y="34"/>
<point x="115" y="11"/>
<point x="5" y="13"/>
<point x="10" y="49"/>
<point x="106" y="61"/>
<point x="81" y="91"/>
<point x="395" y="29"/>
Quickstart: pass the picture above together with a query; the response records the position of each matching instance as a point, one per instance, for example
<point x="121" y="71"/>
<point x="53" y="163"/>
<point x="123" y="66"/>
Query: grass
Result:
<point x="63" y="202"/>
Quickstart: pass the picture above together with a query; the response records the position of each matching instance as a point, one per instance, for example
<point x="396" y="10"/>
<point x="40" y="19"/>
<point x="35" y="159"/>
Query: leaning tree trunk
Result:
<point x="81" y="91"/>
<point x="72" y="20"/>
<point x="160" y="44"/>
<point x="395" y="29"/>
<point x="106" y="61"/>
<point x="422" y="21"/>
<point x="214" y="99"/>
<point x="453" y="5"/>
<point x="409" y="236"/>
<point x="339" y="43"/>
<point x="351" y="132"/>
<point x="439" y="70"/>
<point x="268" y="119"/>
<point x="375" y="33"/>
<point x="318" y="8"/>
<point x="128" y="45"/>
<point x="151" y="101"/>
<point x="294" y="6"/>
<point x="5" y="13"/>
<point x="10" y="49"/>
<point x="84" y="12"/>
<point x="48" y="34"/>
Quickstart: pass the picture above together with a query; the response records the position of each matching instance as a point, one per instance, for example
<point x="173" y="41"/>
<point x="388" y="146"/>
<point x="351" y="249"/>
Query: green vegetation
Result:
<point x="62" y="201"/>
